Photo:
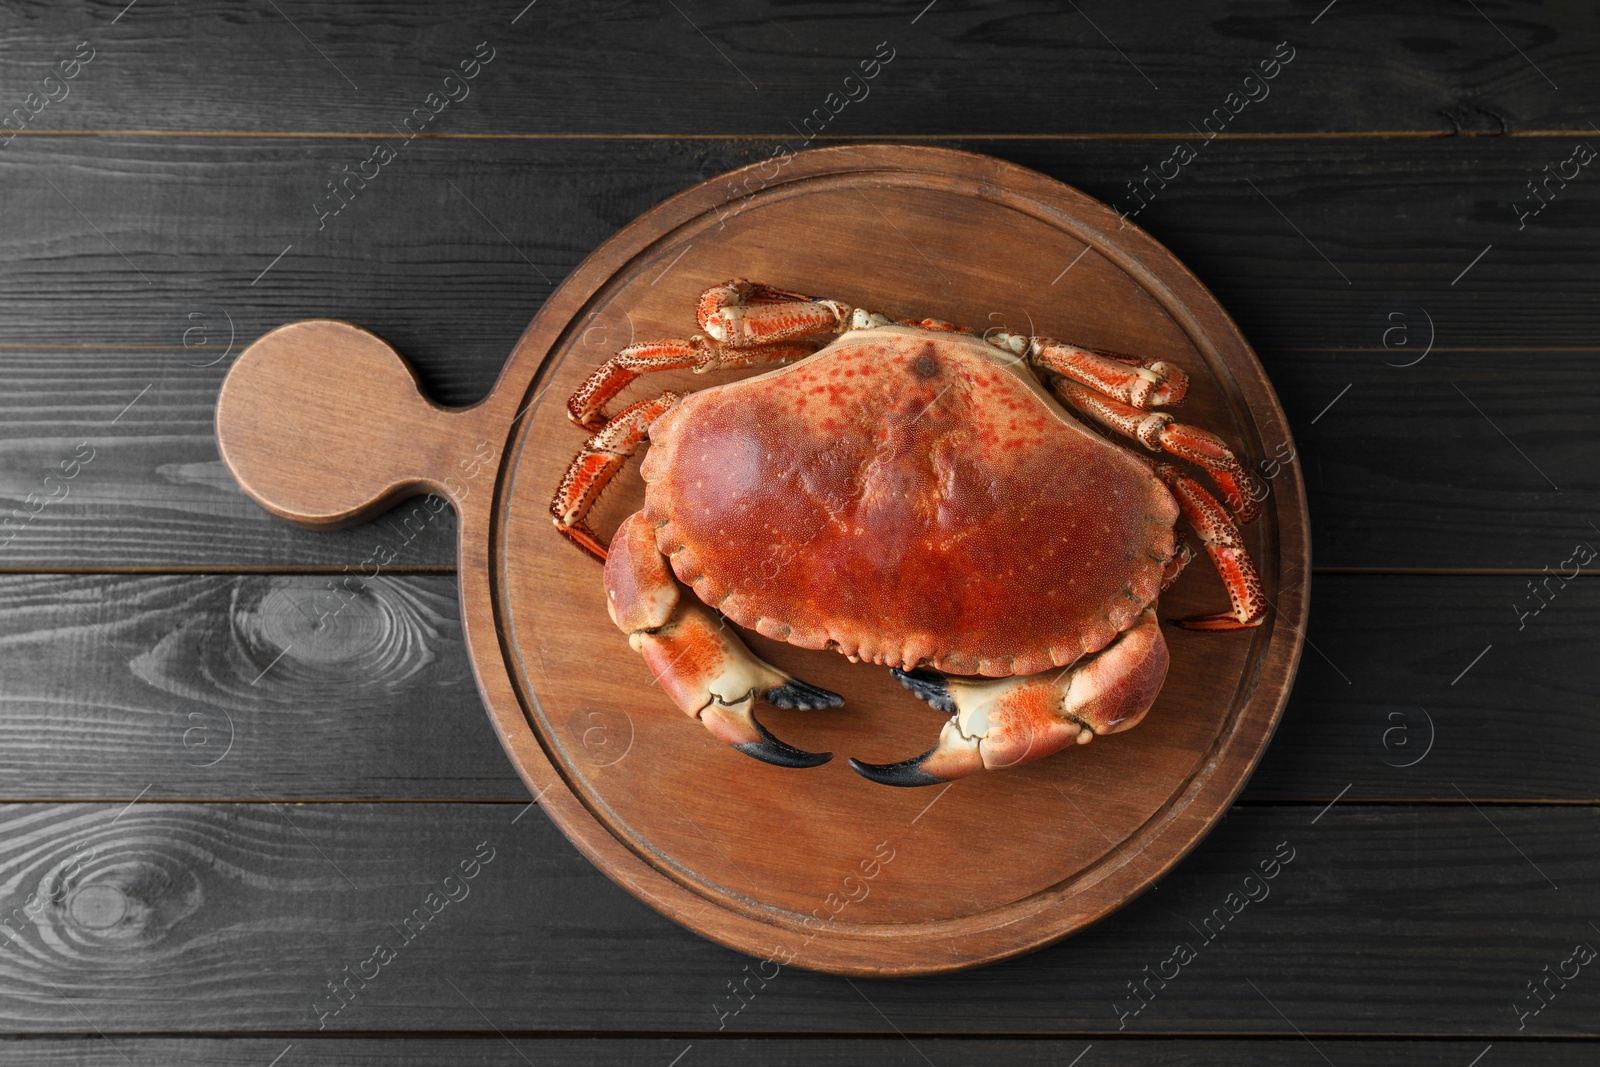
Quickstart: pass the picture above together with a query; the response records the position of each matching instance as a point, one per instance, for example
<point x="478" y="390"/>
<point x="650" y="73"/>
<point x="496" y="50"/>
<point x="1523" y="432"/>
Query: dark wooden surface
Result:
<point x="146" y="608"/>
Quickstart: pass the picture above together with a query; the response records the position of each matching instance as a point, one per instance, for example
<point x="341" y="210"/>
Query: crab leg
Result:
<point x="1142" y="383"/>
<point x="1226" y="548"/>
<point x="699" y="353"/>
<point x="743" y="314"/>
<point x="602" y="456"/>
<point x="697" y="659"/>
<point x="1158" y="430"/>
<point x="1181" y="556"/>
<point x="1004" y="722"/>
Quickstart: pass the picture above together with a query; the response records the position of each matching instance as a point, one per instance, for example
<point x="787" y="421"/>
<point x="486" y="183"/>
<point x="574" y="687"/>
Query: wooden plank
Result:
<point x="1433" y="67"/>
<point x="705" y="1050"/>
<point x="205" y="918"/>
<point x="113" y="461"/>
<point x="1450" y="463"/>
<point x="218" y="686"/>
<point x="1456" y="505"/>
<point x="199" y="226"/>
<point x="118" y="684"/>
<point x="1388" y="917"/>
<point x="1425" y="688"/>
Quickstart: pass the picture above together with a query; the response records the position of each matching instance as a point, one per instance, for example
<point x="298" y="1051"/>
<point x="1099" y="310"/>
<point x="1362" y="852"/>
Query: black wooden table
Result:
<point x="225" y="786"/>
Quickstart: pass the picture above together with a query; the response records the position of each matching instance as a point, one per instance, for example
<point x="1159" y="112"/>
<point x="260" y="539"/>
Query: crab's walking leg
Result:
<point x="1181" y="556"/>
<point x="601" y="458"/>
<point x="1157" y="430"/>
<point x="1003" y="722"/>
<point x="699" y="353"/>
<point x="1142" y="383"/>
<point x="1226" y="548"/>
<point x="743" y="314"/>
<point x="696" y="658"/>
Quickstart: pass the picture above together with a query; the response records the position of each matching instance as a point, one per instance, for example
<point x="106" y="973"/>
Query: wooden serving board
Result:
<point x="323" y="424"/>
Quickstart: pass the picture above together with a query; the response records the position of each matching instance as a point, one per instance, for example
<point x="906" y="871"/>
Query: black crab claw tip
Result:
<point x="770" y="750"/>
<point x="906" y="773"/>
<point x="927" y="686"/>
<point x="797" y="694"/>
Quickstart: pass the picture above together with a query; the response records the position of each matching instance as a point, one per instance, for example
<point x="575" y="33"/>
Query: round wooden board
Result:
<point x="816" y="868"/>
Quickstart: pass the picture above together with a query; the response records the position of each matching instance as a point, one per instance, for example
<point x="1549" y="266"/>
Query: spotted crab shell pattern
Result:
<point x="909" y="500"/>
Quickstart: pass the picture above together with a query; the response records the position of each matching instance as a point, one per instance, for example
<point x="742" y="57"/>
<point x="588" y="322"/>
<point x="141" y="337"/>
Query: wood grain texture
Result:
<point x="1403" y="469"/>
<point x="325" y="426"/>
<point x="1409" y="920"/>
<point x="519" y="597"/>
<point x="386" y="675"/>
<point x="759" y="68"/>
<point x="1448" y="494"/>
<point x="890" y="1050"/>
<point x="1418" y="921"/>
<point x="116" y="683"/>
<point x="1452" y="493"/>
<point x="1400" y="218"/>
<point x="219" y="686"/>
<point x="136" y="430"/>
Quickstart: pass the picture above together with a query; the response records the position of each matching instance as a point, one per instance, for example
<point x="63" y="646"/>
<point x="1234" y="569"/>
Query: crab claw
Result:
<point x="701" y="663"/>
<point x="928" y="686"/>
<point x="953" y="757"/>
<point x="1004" y="722"/>
<point x="769" y="749"/>
<point x="949" y="759"/>
<point x="737" y="724"/>
<point x="797" y="694"/>
<point x="714" y="678"/>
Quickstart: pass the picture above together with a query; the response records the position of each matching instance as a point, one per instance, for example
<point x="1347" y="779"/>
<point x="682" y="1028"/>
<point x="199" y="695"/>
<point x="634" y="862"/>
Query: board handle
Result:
<point x="325" y="425"/>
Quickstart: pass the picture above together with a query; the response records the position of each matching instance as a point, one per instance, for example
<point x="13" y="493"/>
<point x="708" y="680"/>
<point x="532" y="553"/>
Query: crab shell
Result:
<point x="909" y="498"/>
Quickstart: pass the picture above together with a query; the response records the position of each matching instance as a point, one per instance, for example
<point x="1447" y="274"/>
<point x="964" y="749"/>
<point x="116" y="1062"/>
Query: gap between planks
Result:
<point x="1319" y="135"/>
<point x="1510" y="1037"/>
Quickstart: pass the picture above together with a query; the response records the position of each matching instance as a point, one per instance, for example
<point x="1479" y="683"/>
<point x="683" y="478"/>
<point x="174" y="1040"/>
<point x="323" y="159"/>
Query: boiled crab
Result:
<point x="911" y="495"/>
